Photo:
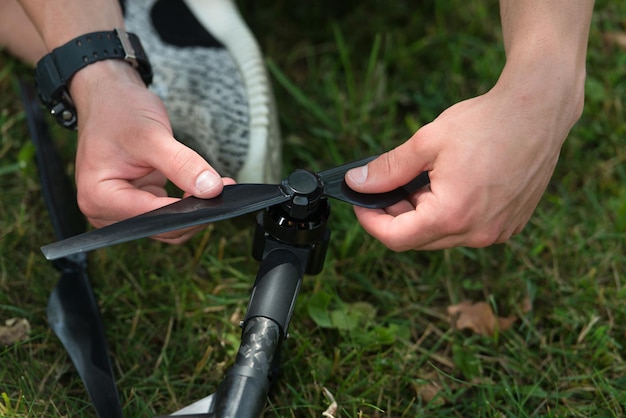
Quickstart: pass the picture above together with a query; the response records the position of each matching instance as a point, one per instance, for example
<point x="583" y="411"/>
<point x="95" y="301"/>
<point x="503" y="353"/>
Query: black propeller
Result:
<point x="235" y="200"/>
<point x="72" y="310"/>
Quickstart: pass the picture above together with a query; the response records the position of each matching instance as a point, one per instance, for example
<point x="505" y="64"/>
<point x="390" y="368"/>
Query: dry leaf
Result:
<point x="428" y="388"/>
<point x="14" y="330"/>
<point x="332" y="408"/>
<point x="479" y="318"/>
<point x="428" y="391"/>
<point x="616" y="38"/>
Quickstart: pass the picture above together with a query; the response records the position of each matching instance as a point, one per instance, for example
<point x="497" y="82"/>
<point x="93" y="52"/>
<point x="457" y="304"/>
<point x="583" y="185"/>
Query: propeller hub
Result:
<point x="305" y="190"/>
<point x="302" y="182"/>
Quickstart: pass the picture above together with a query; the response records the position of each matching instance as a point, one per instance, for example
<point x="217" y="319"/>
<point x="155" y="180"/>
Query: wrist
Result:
<point x="80" y="57"/>
<point x="97" y="78"/>
<point x="546" y="79"/>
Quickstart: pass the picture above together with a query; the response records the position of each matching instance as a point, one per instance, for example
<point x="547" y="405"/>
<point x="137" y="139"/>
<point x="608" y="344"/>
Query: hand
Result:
<point x="126" y="151"/>
<point x="489" y="158"/>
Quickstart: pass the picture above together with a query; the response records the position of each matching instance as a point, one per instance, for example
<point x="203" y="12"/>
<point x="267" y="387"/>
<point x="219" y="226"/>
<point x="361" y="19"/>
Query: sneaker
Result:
<point x="209" y="72"/>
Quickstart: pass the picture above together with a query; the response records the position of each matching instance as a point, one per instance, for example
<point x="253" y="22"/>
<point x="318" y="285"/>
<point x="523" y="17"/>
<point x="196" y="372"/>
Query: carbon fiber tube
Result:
<point x="243" y="392"/>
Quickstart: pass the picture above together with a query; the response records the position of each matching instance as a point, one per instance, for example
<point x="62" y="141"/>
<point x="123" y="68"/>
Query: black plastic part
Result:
<point x="54" y="70"/>
<point x="336" y="187"/>
<point x="243" y="392"/>
<point x="302" y="195"/>
<point x="274" y="227"/>
<point x="235" y="200"/>
<point x="74" y="317"/>
<point x="305" y="189"/>
<point x="72" y="310"/>
<point x="277" y="286"/>
<point x="56" y="187"/>
<point x="279" y="224"/>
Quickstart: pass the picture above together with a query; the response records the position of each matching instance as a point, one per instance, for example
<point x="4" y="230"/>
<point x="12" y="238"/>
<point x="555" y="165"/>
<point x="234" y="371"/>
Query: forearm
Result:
<point x="546" y="46"/>
<point x="533" y="27"/>
<point x="59" y="21"/>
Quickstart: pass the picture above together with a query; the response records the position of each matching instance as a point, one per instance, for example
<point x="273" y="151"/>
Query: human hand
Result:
<point x="126" y="151"/>
<point x="489" y="158"/>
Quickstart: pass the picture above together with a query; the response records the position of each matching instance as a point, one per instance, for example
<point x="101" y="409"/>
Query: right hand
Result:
<point x="126" y="150"/>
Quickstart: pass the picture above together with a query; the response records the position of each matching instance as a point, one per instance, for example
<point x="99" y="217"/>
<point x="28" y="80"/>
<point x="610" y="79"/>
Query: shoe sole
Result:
<point x="222" y="19"/>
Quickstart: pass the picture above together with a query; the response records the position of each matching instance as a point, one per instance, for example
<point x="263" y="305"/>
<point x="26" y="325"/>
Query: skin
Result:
<point x="126" y="149"/>
<point x="490" y="158"/>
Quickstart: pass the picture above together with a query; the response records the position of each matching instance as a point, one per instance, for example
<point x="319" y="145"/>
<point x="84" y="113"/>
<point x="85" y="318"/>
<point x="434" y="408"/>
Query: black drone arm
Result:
<point x="243" y="392"/>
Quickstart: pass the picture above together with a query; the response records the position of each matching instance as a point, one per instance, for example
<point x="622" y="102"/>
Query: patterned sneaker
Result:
<point x="209" y="72"/>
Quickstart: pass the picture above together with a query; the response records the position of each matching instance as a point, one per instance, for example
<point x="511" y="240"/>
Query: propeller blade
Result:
<point x="235" y="200"/>
<point x="74" y="317"/>
<point x="72" y="311"/>
<point x="336" y="187"/>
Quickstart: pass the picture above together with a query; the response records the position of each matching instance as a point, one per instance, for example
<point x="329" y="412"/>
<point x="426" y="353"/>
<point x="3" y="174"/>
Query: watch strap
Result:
<point x="55" y="70"/>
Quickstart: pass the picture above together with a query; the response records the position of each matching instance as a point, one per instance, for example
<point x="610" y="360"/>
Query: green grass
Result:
<point x="352" y="79"/>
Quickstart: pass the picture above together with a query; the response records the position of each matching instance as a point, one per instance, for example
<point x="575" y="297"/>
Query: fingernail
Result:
<point x="207" y="181"/>
<point x="358" y="175"/>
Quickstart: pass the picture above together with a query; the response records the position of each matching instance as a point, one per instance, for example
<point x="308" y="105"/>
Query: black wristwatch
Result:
<point x="54" y="70"/>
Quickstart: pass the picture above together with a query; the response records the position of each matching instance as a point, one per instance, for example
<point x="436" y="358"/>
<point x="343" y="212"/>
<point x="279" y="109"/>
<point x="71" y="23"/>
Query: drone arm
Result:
<point x="243" y="392"/>
<point x="277" y="285"/>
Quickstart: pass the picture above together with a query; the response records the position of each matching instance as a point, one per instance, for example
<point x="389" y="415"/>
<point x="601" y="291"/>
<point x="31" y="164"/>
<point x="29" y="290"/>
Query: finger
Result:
<point x="182" y="235"/>
<point x="399" y="208"/>
<point x="392" y="169"/>
<point x="185" y="168"/>
<point x="420" y="222"/>
<point x="124" y="201"/>
<point x="433" y="228"/>
<point x="152" y="183"/>
<point x="396" y="227"/>
<point x="143" y="201"/>
<point x="403" y="232"/>
<point x="409" y="203"/>
<point x="179" y="236"/>
<point x="145" y="198"/>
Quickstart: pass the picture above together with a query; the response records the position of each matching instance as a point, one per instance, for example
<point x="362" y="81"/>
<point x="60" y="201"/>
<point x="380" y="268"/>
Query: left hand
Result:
<point x="489" y="158"/>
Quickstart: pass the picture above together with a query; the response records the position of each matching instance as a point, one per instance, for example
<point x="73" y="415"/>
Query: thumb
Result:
<point x="389" y="171"/>
<point x="186" y="169"/>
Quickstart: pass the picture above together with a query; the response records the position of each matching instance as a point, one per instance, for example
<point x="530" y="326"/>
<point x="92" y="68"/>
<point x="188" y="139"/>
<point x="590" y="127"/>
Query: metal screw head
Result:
<point x="67" y="115"/>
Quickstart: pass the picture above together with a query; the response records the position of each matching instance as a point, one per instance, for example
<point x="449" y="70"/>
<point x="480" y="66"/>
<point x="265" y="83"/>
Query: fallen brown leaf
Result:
<point x="14" y="330"/>
<point x="479" y="318"/>
<point x="616" y="38"/>
<point x="428" y="387"/>
<point x="428" y="391"/>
